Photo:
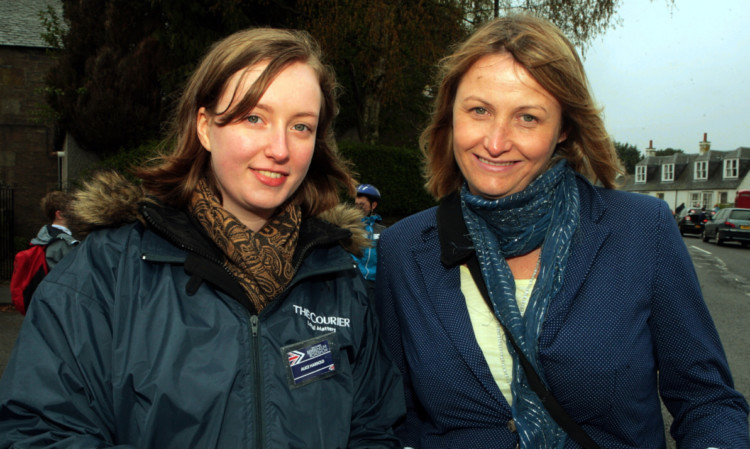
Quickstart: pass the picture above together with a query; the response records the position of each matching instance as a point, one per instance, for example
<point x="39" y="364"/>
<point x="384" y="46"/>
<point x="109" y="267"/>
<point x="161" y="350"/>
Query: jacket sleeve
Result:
<point x="694" y="379"/>
<point x="54" y="391"/>
<point x="385" y="301"/>
<point x="379" y="397"/>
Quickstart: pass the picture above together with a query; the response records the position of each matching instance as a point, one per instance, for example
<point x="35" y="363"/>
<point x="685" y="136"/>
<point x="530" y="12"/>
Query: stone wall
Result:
<point x="28" y="162"/>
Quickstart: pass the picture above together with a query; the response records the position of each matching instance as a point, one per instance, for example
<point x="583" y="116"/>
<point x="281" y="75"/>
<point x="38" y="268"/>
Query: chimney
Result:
<point x="650" y="151"/>
<point x="704" y="146"/>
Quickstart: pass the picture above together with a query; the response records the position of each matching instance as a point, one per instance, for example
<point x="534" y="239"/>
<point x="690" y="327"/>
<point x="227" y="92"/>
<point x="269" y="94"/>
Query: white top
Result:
<point x="487" y="330"/>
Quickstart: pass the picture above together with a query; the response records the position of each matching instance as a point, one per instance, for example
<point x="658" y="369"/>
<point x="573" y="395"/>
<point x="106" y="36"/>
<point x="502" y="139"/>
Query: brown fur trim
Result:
<point x="107" y="199"/>
<point x="350" y="218"/>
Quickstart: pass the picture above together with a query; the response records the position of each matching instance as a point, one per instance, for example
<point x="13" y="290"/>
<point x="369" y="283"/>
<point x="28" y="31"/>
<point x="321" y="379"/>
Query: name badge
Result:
<point x="309" y="360"/>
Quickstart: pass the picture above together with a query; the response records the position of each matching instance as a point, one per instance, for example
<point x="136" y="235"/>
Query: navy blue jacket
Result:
<point x="630" y="309"/>
<point x="142" y="339"/>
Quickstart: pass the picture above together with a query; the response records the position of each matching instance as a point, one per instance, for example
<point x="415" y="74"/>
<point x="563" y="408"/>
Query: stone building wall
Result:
<point x="28" y="162"/>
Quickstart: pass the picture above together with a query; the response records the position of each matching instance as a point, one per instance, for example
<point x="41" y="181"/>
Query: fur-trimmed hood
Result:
<point x="109" y="199"/>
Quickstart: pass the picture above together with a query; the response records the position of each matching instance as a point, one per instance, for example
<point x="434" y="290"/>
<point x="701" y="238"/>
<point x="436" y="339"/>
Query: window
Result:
<point x="660" y="196"/>
<point x="667" y="172"/>
<point x="723" y="197"/>
<point x="731" y="168"/>
<point x="695" y="199"/>
<point x="640" y="173"/>
<point x="707" y="199"/>
<point x="701" y="170"/>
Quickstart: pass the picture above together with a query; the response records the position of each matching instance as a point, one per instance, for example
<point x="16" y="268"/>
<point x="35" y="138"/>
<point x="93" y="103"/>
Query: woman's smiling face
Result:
<point x="505" y="127"/>
<point x="260" y="161"/>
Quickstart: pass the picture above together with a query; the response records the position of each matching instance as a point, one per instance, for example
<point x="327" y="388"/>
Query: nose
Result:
<point x="498" y="138"/>
<point x="277" y="147"/>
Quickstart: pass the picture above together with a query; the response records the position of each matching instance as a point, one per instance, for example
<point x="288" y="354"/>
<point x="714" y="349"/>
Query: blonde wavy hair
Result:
<point x="551" y="59"/>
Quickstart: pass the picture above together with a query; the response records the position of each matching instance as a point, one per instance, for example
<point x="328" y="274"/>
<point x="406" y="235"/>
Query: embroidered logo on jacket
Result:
<point x="322" y="322"/>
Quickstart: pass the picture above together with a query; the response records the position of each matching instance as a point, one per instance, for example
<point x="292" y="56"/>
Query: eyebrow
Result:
<point x="522" y="107"/>
<point x="299" y="114"/>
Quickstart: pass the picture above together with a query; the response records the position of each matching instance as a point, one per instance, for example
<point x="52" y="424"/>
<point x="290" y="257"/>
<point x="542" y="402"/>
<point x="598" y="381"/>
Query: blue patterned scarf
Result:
<point x="544" y="214"/>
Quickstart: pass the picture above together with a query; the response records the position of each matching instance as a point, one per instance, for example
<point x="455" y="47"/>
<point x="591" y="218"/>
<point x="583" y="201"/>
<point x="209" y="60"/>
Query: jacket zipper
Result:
<point x="258" y="400"/>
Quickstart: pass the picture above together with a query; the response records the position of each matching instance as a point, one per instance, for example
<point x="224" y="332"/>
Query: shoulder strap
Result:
<point x="554" y="408"/>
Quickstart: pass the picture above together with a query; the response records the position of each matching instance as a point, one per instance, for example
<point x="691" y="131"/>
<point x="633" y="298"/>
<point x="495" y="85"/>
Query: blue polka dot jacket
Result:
<point x="628" y="326"/>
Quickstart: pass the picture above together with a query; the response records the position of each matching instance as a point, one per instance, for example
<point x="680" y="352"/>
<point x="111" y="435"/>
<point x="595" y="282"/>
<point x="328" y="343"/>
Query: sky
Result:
<point x="668" y="75"/>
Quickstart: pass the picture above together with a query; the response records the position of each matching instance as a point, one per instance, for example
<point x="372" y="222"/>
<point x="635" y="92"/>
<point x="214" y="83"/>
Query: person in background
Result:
<point x="56" y="236"/>
<point x="530" y="280"/>
<point x="215" y="304"/>
<point x="367" y="200"/>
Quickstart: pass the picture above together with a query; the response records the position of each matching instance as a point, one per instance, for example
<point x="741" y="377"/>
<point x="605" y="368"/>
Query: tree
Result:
<point x="580" y="20"/>
<point x="629" y="156"/>
<point x="668" y="152"/>
<point x="383" y="50"/>
<point x="122" y="62"/>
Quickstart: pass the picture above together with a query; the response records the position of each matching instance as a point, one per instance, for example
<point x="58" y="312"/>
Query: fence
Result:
<point x="7" y="250"/>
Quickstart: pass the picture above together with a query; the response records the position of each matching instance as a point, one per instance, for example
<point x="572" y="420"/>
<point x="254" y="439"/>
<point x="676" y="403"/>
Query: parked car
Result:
<point x="692" y="222"/>
<point x="729" y="224"/>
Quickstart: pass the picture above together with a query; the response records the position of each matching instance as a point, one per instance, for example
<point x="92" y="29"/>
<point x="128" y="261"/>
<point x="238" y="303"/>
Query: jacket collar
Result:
<point x="182" y="230"/>
<point x="455" y="245"/>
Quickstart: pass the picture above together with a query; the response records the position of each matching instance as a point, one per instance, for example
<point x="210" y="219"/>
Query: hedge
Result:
<point x="395" y="171"/>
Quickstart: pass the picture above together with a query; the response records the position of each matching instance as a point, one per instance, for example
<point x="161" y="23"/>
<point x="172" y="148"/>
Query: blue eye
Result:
<point x="253" y="119"/>
<point x="528" y="118"/>
<point x="479" y="110"/>
<point x="301" y="127"/>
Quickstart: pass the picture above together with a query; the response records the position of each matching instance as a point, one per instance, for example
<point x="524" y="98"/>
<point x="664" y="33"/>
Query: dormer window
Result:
<point x="701" y="170"/>
<point x="667" y="172"/>
<point x="640" y="173"/>
<point x="731" y="168"/>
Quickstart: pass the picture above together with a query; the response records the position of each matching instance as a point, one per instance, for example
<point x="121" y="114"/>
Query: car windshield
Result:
<point x="740" y="215"/>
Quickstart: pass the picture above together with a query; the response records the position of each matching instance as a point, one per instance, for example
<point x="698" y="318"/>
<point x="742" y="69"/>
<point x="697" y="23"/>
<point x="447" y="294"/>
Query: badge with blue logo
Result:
<point x="310" y="360"/>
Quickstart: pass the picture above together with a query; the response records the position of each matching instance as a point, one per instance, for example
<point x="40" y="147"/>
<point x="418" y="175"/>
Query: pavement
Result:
<point x="10" y="324"/>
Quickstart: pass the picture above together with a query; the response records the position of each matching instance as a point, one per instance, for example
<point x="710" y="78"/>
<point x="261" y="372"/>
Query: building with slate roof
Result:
<point x="29" y="162"/>
<point x="706" y="179"/>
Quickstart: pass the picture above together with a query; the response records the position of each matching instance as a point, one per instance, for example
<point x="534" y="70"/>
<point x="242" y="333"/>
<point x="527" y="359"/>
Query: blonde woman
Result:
<point x="529" y="282"/>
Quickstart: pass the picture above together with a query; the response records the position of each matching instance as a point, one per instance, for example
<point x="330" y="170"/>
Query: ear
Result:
<point x="202" y="122"/>
<point x="373" y="205"/>
<point x="563" y="135"/>
<point x="59" y="215"/>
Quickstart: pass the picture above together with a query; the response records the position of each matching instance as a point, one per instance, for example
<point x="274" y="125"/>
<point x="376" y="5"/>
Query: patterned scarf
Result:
<point x="547" y="211"/>
<point x="262" y="260"/>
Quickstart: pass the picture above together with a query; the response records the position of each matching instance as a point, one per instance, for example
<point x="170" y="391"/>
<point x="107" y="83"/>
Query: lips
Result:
<point x="270" y="178"/>
<point x="269" y="174"/>
<point x="496" y="164"/>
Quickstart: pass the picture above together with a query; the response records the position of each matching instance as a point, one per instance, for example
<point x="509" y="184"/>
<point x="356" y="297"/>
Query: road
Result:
<point x="722" y="272"/>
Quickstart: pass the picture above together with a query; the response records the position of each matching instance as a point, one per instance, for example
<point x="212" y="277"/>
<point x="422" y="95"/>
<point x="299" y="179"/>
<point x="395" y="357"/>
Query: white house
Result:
<point x="705" y="179"/>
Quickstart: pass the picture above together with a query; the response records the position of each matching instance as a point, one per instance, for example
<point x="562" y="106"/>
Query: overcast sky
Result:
<point x="670" y="76"/>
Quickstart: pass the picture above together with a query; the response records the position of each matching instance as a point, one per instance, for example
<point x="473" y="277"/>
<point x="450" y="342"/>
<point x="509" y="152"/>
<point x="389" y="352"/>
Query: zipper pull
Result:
<point x="254" y="325"/>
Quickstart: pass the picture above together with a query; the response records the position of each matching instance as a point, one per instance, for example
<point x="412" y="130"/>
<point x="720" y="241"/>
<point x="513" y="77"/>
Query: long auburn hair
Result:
<point x="551" y="59"/>
<point x="173" y="176"/>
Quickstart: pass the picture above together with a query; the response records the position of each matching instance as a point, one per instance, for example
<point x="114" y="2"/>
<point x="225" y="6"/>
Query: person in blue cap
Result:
<point x="368" y="197"/>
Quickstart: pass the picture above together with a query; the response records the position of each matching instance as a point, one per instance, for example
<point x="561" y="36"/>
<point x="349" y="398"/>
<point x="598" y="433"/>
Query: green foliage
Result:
<point x="122" y="64"/>
<point x="124" y="160"/>
<point x="396" y="172"/>
<point x="668" y="152"/>
<point x="629" y="156"/>
<point x="383" y="52"/>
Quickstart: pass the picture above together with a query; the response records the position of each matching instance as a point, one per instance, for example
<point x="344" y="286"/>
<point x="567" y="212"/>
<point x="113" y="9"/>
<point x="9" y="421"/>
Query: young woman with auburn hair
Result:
<point x="216" y="304"/>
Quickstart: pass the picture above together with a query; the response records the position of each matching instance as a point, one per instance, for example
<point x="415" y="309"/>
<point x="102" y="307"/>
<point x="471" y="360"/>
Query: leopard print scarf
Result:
<point x="262" y="260"/>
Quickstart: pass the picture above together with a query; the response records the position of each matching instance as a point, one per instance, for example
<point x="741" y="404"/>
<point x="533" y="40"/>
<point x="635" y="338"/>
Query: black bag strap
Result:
<point x="554" y="408"/>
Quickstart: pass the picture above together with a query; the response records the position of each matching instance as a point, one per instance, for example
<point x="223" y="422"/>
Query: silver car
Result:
<point x="729" y="224"/>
